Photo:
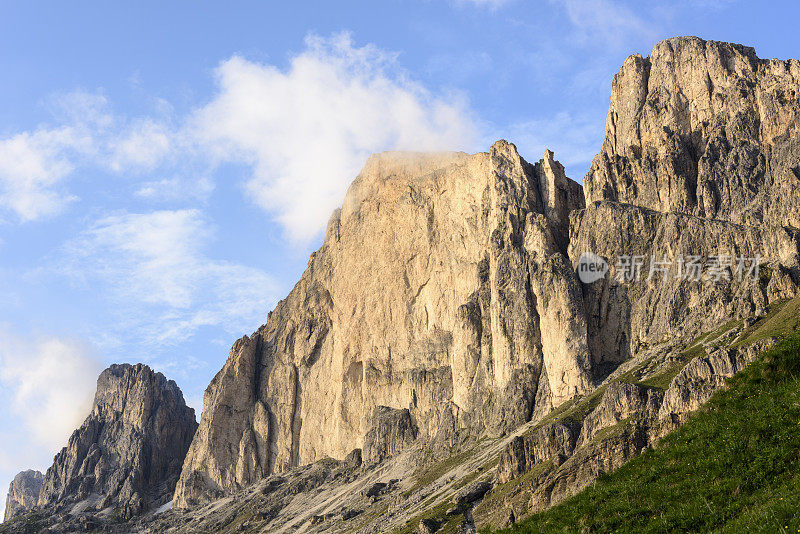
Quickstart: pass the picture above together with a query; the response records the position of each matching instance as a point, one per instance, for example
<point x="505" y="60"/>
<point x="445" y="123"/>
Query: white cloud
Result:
<point x="307" y="130"/>
<point x="87" y="111"/>
<point x="304" y="131"/>
<point x="32" y="165"/>
<point x="154" y="252"/>
<point x="155" y="266"/>
<point x="35" y="165"/>
<point x="143" y="146"/>
<point x="176" y="188"/>
<point x="605" y="21"/>
<point x="51" y="382"/>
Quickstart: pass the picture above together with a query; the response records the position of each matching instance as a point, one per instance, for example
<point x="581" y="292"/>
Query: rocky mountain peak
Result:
<point x="128" y="452"/>
<point x="441" y="303"/>
<point x="442" y="318"/>
<point x="704" y="128"/>
<point x="23" y="493"/>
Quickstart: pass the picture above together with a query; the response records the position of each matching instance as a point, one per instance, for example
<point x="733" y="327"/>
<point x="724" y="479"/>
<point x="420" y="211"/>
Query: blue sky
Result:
<point x="166" y="167"/>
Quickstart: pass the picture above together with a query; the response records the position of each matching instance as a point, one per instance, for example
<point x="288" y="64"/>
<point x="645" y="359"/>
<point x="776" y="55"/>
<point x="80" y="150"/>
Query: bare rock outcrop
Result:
<point x="701" y="378"/>
<point x="704" y="128"/>
<point x="624" y="316"/>
<point x="621" y="403"/>
<point x="523" y="453"/>
<point x="391" y="430"/>
<point x="128" y="452"/>
<point x="700" y="162"/>
<point x="23" y="493"/>
<point x="442" y="290"/>
<point x="628" y="419"/>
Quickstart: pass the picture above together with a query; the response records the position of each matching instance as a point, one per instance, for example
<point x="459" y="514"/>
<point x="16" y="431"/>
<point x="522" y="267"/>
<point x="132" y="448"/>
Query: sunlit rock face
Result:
<point x="703" y="128"/>
<point x="23" y="493"/>
<point x="442" y="302"/>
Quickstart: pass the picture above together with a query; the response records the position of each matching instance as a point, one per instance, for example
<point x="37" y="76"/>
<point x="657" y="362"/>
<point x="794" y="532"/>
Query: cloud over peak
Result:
<point x="308" y="129"/>
<point x="304" y="131"/>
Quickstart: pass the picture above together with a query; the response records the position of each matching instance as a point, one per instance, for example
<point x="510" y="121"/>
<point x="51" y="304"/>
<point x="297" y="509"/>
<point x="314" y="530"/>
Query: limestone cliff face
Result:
<point x="441" y="302"/>
<point x="23" y="493"/>
<point x="624" y="317"/>
<point x="129" y="451"/>
<point x="703" y="128"/>
<point x="701" y="158"/>
<point x="444" y="301"/>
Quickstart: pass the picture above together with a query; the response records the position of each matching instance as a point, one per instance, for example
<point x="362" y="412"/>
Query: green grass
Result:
<point x="782" y="317"/>
<point x="663" y="378"/>
<point x="733" y="467"/>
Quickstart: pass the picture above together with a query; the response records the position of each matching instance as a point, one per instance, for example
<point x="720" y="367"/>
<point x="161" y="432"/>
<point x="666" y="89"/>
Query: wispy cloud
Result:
<point x="85" y="133"/>
<point x="608" y="22"/>
<point x="177" y="188"/>
<point x="156" y="268"/>
<point x="32" y="167"/>
<point x="143" y="145"/>
<point x="52" y="383"/>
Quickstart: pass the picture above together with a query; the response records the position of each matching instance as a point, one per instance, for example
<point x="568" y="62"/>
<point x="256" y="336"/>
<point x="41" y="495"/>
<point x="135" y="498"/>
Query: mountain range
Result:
<point x="443" y="365"/>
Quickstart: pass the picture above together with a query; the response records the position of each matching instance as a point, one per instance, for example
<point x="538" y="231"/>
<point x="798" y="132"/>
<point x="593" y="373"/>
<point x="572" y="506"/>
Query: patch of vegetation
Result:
<point x="733" y="467"/>
<point x="515" y="491"/>
<point x="117" y="516"/>
<point x="556" y="415"/>
<point x="585" y="407"/>
<point x="611" y="431"/>
<point x="782" y="317"/>
<point x="29" y="523"/>
<point x="714" y="335"/>
<point x="663" y="378"/>
<point x="571" y="412"/>
<point x="449" y="524"/>
<point x="369" y="516"/>
<point x="429" y="475"/>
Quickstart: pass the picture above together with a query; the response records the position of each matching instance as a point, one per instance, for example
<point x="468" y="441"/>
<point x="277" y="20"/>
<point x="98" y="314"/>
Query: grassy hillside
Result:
<point x="733" y="467"/>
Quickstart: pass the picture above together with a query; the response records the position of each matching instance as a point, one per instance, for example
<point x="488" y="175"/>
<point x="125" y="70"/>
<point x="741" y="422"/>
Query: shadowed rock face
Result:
<point x="442" y="294"/>
<point x="701" y="157"/>
<point x="23" y="493"/>
<point x="129" y="451"/>
<point x="625" y="317"/>
<point x="390" y="431"/>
